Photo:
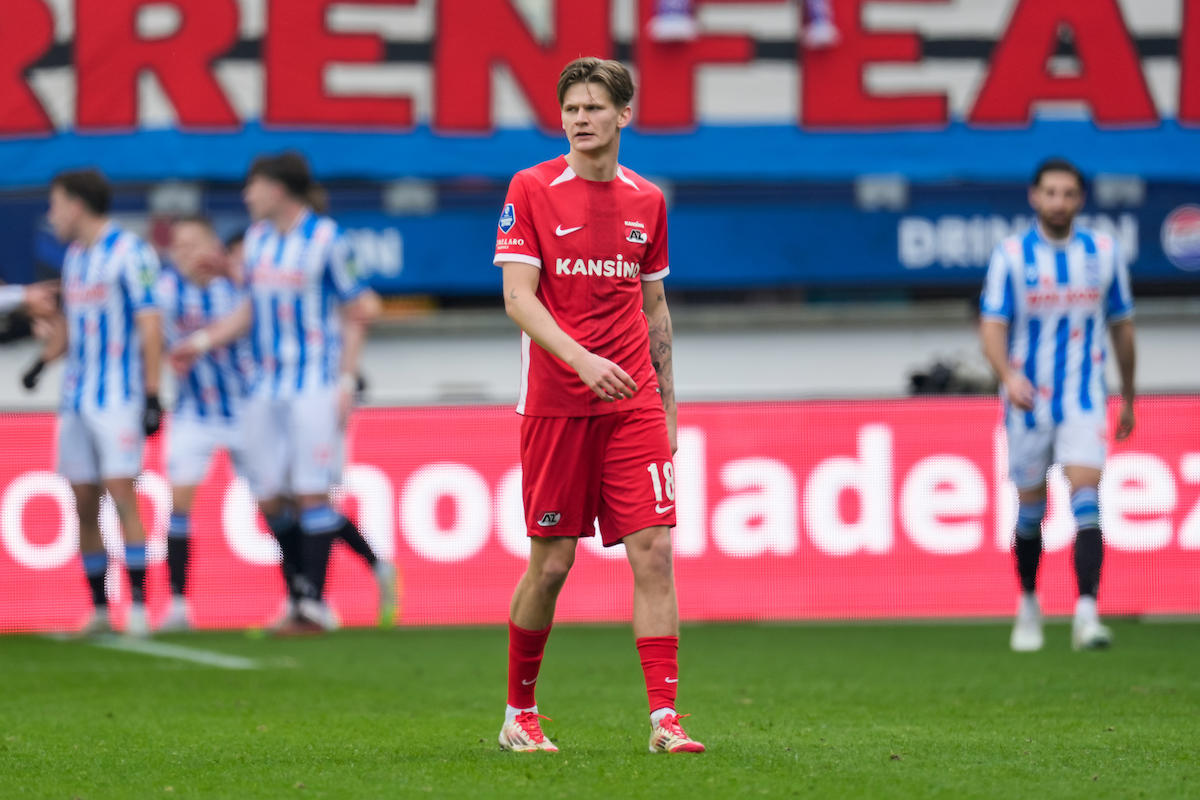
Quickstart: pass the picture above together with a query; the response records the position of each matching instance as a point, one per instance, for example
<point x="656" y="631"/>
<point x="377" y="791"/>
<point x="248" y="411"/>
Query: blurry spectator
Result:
<point x="673" y="21"/>
<point x="819" y="30"/>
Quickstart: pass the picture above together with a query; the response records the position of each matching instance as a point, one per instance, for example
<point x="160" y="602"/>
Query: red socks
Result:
<point x="525" y="650"/>
<point x="660" y="662"/>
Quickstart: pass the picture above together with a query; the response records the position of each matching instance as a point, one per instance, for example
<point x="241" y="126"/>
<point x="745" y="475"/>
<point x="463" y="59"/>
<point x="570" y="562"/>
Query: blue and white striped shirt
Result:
<point x="218" y="382"/>
<point x="298" y="280"/>
<point x="105" y="287"/>
<point x="1058" y="300"/>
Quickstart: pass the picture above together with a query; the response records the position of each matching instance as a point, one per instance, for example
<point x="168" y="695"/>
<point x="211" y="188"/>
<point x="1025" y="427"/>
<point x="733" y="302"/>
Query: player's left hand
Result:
<point x="152" y="415"/>
<point x="1127" y="422"/>
<point x="673" y="431"/>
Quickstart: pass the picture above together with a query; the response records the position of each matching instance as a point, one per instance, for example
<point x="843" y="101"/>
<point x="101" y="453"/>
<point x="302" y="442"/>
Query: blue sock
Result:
<point x="135" y="565"/>
<point x="1029" y="519"/>
<point x="1085" y="503"/>
<point x="95" y="566"/>
<point x="177" y="553"/>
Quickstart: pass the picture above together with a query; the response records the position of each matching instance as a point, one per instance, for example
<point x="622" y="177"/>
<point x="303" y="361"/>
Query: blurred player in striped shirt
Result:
<point x="307" y="315"/>
<point x="194" y="293"/>
<point x="110" y="388"/>
<point x="1050" y="298"/>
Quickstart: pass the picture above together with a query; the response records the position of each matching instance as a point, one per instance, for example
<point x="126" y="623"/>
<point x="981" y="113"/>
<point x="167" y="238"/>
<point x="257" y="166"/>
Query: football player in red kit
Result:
<point x="583" y="245"/>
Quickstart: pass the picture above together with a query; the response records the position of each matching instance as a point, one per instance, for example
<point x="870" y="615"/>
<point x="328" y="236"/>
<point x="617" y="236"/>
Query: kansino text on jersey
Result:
<point x="606" y="268"/>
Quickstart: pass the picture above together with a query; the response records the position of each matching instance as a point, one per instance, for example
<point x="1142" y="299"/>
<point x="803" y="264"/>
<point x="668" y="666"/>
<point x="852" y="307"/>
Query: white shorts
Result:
<point x="192" y="442"/>
<point x="1080" y="441"/>
<point x="293" y="445"/>
<point x="95" y="445"/>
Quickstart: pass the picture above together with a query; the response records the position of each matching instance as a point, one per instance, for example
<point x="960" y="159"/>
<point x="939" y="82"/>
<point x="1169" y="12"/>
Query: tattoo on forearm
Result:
<point x="661" y="349"/>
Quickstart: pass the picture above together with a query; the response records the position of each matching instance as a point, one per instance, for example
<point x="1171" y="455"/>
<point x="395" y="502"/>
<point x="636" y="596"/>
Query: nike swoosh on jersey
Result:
<point x="664" y="509"/>
<point x="563" y="232"/>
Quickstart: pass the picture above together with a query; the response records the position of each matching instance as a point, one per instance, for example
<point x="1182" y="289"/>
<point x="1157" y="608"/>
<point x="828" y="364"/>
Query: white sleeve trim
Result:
<point x="501" y="258"/>
<point x="11" y="298"/>
<point x="997" y="316"/>
<point x="656" y="276"/>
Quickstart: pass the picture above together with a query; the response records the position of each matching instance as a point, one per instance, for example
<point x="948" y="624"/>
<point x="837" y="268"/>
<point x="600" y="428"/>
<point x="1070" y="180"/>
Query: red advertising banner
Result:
<point x="787" y="511"/>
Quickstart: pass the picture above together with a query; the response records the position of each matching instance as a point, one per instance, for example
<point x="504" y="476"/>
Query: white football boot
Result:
<point x="668" y="736"/>
<point x="1027" y="636"/>
<point x="137" y="623"/>
<point x="320" y="612"/>
<point x="178" y="616"/>
<point x="98" y="623"/>
<point x="524" y="734"/>
<point x="385" y="580"/>
<point x="1087" y="632"/>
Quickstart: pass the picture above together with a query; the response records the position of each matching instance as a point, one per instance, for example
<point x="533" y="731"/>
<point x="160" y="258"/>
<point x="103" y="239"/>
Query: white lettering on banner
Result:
<point x="691" y="478"/>
<point x="509" y="510"/>
<point x="763" y="519"/>
<point x="376" y="520"/>
<point x="944" y="486"/>
<point x="153" y="487"/>
<point x="1189" y="530"/>
<point x="1006" y="492"/>
<point x="377" y="252"/>
<point x="952" y="241"/>
<point x="1058" y="529"/>
<point x="12" y="525"/>
<point x="1137" y="484"/>
<point x="158" y="490"/>
<point x="418" y="512"/>
<point x="870" y="476"/>
<point x="239" y="523"/>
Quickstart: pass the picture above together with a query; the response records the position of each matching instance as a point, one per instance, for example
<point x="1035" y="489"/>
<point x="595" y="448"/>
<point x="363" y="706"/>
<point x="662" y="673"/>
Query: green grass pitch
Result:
<point x="786" y="711"/>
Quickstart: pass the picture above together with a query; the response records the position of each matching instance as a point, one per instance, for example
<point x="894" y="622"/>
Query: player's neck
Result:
<point x="89" y="230"/>
<point x="1056" y="234"/>
<point x="288" y="216"/>
<point x="599" y="166"/>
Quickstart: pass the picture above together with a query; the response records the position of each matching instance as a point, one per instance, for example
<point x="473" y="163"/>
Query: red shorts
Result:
<point x="616" y="467"/>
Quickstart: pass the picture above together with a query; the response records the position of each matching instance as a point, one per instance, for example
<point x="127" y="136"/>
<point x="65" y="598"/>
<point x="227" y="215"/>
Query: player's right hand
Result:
<point x="1019" y="390"/>
<point x="605" y="378"/>
<point x="183" y="356"/>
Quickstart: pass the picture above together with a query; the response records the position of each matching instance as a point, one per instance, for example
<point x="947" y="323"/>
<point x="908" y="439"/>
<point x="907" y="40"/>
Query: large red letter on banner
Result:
<point x="1110" y="79"/>
<point x="473" y="35"/>
<point x="833" y="95"/>
<point x="296" y="52"/>
<point x="667" y="72"/>
<point x="109" y="56"/>
<point x="26" y="32"/>
<point x="1189" y="64"/>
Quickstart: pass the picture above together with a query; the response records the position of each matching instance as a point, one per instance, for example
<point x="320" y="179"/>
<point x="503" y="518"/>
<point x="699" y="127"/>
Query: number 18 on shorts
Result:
<point x="613" y="467"/>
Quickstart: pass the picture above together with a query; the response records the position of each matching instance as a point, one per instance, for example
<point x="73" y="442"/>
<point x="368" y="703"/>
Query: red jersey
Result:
<point x="595" y="242"/>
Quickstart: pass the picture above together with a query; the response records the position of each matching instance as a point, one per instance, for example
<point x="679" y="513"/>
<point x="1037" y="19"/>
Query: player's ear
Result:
<point x="625" y="116"/>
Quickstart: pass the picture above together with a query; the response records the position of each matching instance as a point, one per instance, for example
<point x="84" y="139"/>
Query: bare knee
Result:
<point x="550" y="563"/>
<point x="551" y="574"/>
<point x="650" y="554"/>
